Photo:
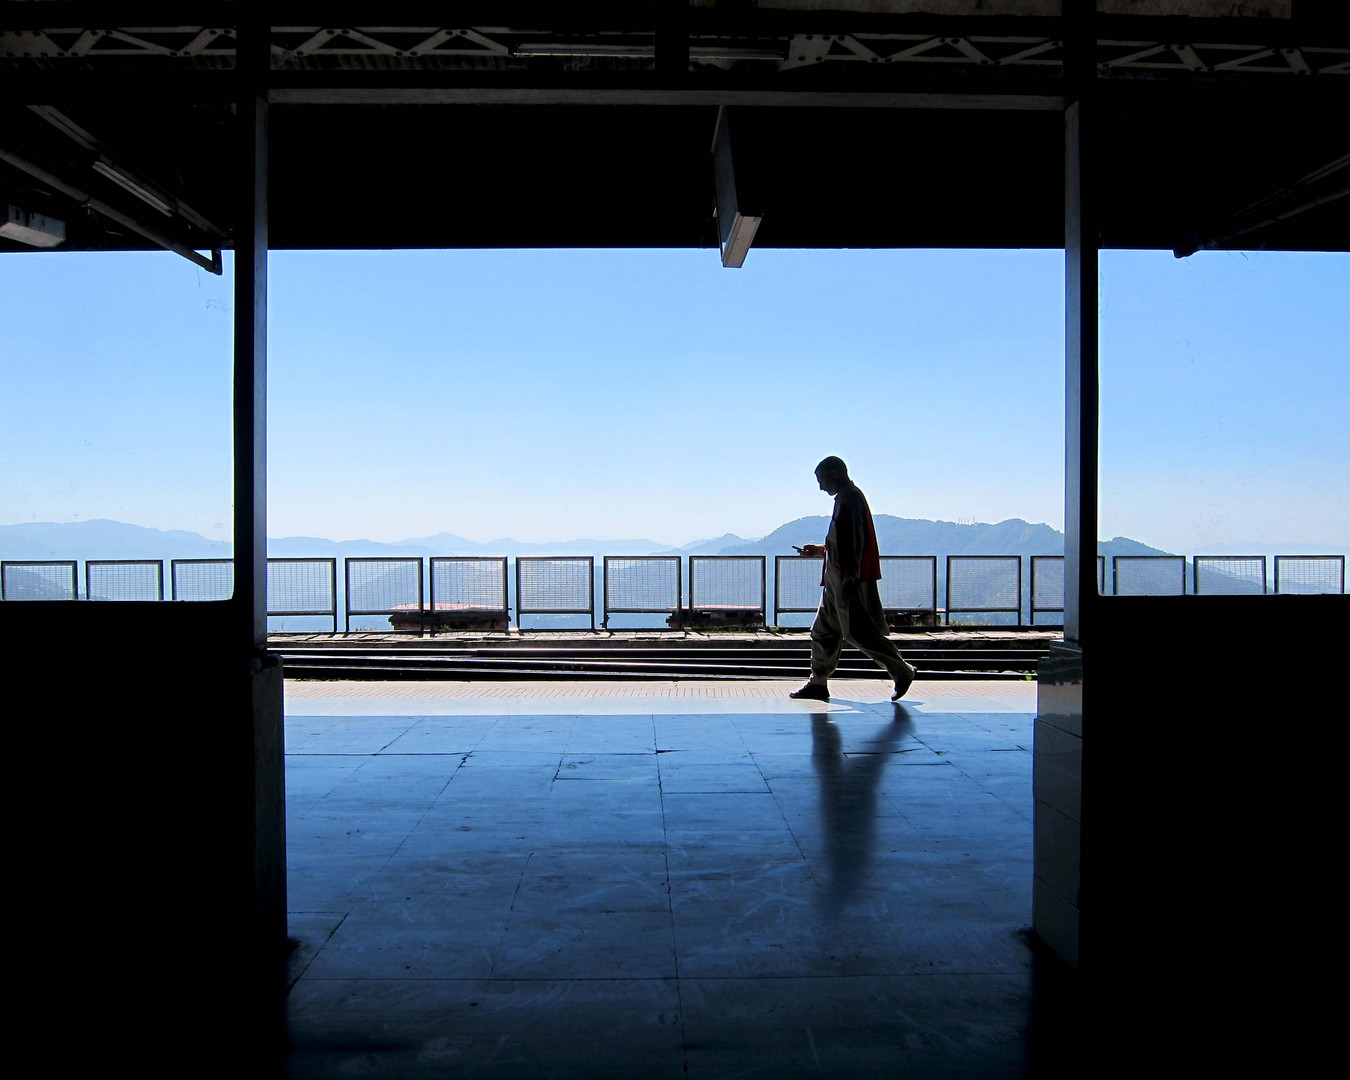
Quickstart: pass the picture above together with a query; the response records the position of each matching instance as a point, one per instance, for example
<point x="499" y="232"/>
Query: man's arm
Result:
<point x="810" y="551"/>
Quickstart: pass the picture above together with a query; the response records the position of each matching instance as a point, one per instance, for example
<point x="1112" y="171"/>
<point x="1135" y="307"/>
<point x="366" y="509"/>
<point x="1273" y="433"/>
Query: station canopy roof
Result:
<point x="854" y="123"/>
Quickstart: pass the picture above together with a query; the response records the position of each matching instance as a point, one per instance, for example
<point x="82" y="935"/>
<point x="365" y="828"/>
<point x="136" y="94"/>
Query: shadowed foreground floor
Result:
<point x="654" y="880"/>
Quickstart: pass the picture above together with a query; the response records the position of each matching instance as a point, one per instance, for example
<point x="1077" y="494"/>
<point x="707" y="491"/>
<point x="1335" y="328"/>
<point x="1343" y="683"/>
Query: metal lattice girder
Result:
<point x="714" y="44"/>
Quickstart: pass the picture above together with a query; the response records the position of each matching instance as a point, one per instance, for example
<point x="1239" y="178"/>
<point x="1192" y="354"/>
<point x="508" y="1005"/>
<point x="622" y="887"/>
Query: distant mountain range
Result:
<point x="917" y="536"/>
<point x="103" y="539"/>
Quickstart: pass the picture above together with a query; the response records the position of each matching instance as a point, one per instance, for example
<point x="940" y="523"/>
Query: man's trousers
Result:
<point x="861" y="623"/>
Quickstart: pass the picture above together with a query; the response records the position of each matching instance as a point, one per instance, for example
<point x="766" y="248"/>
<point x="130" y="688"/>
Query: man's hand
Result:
<point x="849" y="589"/>
<point x="811" y="551"/>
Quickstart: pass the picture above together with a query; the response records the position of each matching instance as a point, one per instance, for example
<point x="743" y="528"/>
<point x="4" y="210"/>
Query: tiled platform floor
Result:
<point x="655" y="880"/>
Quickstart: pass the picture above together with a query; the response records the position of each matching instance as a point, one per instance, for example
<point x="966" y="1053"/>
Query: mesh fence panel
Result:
<point x="984" y="582"/>
<point x="1047" y="583"/>
<point x="211" y="579"/>
<point x="726" y="582"/>
<point x="1242" y="575"/>
<point x="1310" y="573"/>
<point x="1150" y="575"/>
<point x="647" y="584"/>
<point x="554" y="586"/>
<point x="301" y="587"/>
<point x="383" y="586"/>
<point x="468" y="584"/>
<point x="139" y="580"/>
<point x="796" y="583"/>
<point x="37" y="580"/>
<point x="908" y="582"/>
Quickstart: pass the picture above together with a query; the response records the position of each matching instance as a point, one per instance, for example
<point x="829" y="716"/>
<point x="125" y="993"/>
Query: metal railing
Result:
<point x="1047" y="584"/>
<point x="383" y="586"/>
<point x="124" y="579"/>
<point x="908" y="585"/>
<point x="1230" y="575"/>
<point x="470" y="589"/>
<point x="643" y="585"/>
<point x="42" y="580"/>
<point x="475" y="592"/>
<point x="984" y="584"/>
<point x="1310" y="574"/>
<point x="201" y="580"/>
<point x="796" y="585"/>
<point x="1148" y="575"/>
<point x="728" y="585"/>
<point x="555" y="586"/>
<point x="302" y="587"/>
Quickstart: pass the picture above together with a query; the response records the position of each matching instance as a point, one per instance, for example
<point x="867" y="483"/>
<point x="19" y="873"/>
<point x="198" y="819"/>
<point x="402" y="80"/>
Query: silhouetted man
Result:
<point x="850" y="606"/>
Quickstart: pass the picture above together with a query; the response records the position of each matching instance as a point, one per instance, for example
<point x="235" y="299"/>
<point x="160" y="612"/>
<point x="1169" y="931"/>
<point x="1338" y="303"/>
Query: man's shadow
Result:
<point x="848" y="798"/>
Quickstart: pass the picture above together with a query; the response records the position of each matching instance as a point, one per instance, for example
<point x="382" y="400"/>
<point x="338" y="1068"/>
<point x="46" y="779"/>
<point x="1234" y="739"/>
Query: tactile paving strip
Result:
<point x="854" y="689"/>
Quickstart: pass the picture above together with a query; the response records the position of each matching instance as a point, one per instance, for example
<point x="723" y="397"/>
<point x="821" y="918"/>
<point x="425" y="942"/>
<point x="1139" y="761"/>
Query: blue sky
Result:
<point x="558" y="394"/>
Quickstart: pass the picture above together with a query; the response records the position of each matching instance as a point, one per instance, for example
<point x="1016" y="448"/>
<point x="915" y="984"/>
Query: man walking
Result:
<point x="850" y="607"/>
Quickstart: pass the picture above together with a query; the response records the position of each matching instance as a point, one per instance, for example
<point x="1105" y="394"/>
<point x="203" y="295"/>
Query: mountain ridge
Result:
<point x="106" y="539"/>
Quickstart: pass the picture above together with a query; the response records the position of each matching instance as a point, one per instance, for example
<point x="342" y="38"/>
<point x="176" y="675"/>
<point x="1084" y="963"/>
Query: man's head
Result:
<point x="832" y="475"/>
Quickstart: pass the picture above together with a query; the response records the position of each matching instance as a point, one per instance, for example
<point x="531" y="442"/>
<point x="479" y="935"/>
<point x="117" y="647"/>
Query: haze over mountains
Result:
<point x="103" y="539"/>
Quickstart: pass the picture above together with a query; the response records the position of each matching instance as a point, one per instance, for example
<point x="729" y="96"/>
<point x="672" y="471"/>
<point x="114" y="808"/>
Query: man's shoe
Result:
<point x="812" y="691"/>
<point x="903" y="684"/>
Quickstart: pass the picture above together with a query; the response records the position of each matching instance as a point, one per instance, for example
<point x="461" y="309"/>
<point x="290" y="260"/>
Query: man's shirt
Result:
<point x="851" y="546"/>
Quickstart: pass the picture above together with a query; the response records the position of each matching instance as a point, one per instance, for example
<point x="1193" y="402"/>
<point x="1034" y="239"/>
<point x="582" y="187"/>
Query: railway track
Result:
<point x="352" y="660"/>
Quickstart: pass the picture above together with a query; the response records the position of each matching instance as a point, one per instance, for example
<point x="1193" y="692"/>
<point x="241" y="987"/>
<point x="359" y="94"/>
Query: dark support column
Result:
<point x="1058" y="758"/>
<point x="250" y="375"/>
<point x="1080" y="340"/>
<point x="265" y="772"/>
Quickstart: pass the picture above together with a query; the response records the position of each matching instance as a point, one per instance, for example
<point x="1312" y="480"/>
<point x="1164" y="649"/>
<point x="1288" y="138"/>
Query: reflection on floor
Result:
<point x="661" y="880"/>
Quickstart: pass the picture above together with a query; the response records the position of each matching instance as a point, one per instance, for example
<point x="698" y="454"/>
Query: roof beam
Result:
<point x="98" y="206"/>
<point x="736" y="226"/>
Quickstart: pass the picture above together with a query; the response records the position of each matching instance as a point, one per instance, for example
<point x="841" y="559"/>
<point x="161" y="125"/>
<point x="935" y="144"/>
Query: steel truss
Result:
<point x="487" y="48"/>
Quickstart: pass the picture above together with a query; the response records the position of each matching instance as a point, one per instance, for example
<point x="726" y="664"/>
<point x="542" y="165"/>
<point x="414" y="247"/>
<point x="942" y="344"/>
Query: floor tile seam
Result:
<point x="294" y="753"/>
<point x="421" y="817"/>
<point x="994" y="795"/>
<point x="421" y="754"/>
<point x="796" y="843"/>
<point x="463" y="760"/>
<point x="313" y="979"/>
<point x="506" y="922"/>
<point x="334" y="754"/>
<point x="823" y="975"/>
<point x="670" y="905"/>
<point x="296" y="981"/>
